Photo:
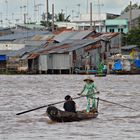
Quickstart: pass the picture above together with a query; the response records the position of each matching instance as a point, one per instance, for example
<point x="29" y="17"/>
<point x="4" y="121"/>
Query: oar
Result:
<point x="109" y="101"/>
<point x="44" y="106"/>
<point x="115" y="103"/>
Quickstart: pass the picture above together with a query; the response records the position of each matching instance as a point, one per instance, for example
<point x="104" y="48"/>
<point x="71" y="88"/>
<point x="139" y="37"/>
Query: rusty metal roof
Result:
<point x="68" y="46"/>
<point x="42" y="37"/>
<point x="23" y="51"/>
<point x="33" y="56"/>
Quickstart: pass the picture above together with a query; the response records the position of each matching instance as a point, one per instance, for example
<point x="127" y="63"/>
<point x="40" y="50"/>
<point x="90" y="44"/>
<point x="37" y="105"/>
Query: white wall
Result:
<point x="8" y="46"/>
<point x="68" y="25"/>
<point x="86" y="17"/>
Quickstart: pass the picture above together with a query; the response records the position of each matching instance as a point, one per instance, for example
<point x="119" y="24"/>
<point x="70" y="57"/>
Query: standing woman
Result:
<point x="89" y="91"/>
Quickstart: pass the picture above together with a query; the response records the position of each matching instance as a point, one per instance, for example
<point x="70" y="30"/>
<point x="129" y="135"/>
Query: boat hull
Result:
<point x="62" y="116"/>
<point x="100" y="75"/>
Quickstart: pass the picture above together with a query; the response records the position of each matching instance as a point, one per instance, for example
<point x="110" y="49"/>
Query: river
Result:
<point x="22" y="92"/>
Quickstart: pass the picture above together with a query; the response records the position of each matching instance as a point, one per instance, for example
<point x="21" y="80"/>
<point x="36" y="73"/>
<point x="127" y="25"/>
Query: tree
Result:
<point x="123" y="39"/>
<point x="67" y="18"/>
<point x="133" y="36"/>
<point x="134" y="6"/>
<point x="44" y="23"/>
<point x="49" y="25"/>
<point x="61" y="17"/>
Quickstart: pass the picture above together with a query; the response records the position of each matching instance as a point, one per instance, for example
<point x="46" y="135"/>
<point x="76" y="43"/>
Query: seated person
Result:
<point x="69" y="105"/>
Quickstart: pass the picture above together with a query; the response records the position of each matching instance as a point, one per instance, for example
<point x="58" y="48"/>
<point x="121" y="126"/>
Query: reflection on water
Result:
<point x="23" y="92"/>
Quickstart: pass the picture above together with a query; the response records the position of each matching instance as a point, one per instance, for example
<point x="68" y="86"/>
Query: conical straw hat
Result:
<point x="88" y="79"/>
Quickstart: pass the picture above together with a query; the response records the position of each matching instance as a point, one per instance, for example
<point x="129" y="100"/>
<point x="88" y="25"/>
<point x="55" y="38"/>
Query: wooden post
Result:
<point x="130" y="22"/>
<point x="52" y="17"/>
<point x="91" y="15"/>
<point x="47" y="11"/>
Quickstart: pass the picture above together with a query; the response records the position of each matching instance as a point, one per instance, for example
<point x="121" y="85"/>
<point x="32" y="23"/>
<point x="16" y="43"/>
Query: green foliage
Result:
<point x="133" y="36"/>
<point x="67" y="18"/>
<point x="139" y="22"/>
<point x="133" y="6"/>
<point x="61" y="17"/>
<point x="48" y="25"/>
<point x="43" y="23"/>
<point x="123" y="39"/>
<point x="100" y="67"/>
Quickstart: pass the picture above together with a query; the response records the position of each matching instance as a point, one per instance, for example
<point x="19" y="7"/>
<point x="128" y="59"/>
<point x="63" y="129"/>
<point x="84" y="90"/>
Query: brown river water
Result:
<point x="23" y="92"/>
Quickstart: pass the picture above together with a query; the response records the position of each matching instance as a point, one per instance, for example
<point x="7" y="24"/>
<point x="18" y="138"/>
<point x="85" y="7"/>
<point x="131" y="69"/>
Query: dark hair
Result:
<point x="67" y="97"/>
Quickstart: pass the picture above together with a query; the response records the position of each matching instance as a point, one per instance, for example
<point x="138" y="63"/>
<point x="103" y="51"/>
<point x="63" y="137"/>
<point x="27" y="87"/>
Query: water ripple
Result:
<point x="23" y="92"/>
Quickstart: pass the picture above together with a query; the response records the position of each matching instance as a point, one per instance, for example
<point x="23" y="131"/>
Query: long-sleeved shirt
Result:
<point x="89" y="90"/>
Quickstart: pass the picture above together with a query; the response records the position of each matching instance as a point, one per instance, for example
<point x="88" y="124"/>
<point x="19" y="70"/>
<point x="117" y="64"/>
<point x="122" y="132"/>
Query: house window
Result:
<point x="120" y="30"/>
<point x="111" y="30"/>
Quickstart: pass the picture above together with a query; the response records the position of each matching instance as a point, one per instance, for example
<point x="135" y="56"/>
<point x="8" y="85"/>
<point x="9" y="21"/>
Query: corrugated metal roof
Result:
<point x="29" y="42"/>
<point x="4" y="28"/>
<point x="107" y="36"/>
<point x="68" y="46"/>
<point x="81" y="34"/>
<point x="36" y="37"/>
<point x="24" y="56"/>
<point x="34" y="43"/>
<point x="42" y="37"/>
<point x="23" y="51"/>
<point x="74" y="35"/>
<point x="129" y="47"/>
<point x="82" y="43"/>
<point x="32" y="56"/>
<point x="23" y="34"/>
<point x="5" y="52"/>
<point x="47" y="37"/>
<point x="31" y="26"/>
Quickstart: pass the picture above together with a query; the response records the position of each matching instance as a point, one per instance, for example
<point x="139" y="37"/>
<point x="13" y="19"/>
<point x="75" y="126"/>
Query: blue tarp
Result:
<point x="2" y="57"/>
<point x="117" y="65"/>
<point x="137" y="63"/>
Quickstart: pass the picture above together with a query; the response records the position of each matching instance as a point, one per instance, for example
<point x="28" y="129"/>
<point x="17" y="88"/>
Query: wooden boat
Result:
<point x="83" y="72"/>
<point x="62" y="116"/>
